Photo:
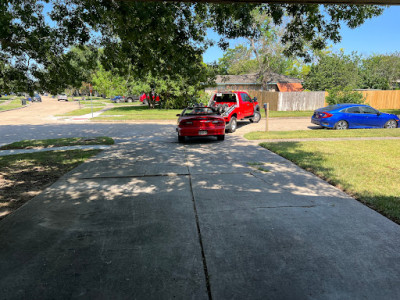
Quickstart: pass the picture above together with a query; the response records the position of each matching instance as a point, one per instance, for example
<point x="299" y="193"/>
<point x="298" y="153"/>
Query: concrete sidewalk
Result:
<point x="155" y="219"/>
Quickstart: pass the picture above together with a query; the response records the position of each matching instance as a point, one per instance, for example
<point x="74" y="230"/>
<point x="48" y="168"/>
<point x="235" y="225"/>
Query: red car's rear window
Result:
<point x="194" y="111"/>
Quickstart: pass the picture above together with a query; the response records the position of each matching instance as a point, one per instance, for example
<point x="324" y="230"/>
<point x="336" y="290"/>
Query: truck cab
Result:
<point x="235" y="106"/>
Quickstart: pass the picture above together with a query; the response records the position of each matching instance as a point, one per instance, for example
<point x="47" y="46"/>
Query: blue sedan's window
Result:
<point x="331" y="107"/>
<point x="353" y="110"/>
<point x="368" y="110"/>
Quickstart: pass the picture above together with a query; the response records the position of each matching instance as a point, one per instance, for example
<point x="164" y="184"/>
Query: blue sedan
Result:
<point x="117" y="99"/>
<point x="345" y="116"/>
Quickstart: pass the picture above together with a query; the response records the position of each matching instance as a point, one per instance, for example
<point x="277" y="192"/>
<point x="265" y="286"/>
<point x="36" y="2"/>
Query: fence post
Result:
<point x="266" y="108"/>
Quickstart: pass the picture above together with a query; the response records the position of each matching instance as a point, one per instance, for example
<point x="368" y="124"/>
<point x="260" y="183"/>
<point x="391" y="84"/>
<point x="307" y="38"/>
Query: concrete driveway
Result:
<point x="154" y="219"/>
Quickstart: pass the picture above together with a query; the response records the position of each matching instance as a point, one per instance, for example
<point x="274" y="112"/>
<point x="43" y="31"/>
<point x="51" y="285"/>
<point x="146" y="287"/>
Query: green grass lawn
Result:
<point x="5" y="98"/>
<point x="13" y="104"/>
<point x="137" y="103"/>
<point x="81" y="112"/>
<point x="368" y="170"/>
<point x="391" y="111"/>
<point x="322" y="133"/>
<point x="138" y="113"/>
<point x="23" y="176"/>
<point x="94" y="103"/>
<point x="49" y="143"/>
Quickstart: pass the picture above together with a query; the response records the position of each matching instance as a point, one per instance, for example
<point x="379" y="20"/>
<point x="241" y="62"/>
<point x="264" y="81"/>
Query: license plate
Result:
<point x="203" y="132"/>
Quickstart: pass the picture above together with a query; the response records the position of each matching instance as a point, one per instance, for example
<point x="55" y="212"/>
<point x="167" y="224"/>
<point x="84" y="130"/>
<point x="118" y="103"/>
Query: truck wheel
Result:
<point x="256" y="118"/>
<point x="181" y="139"/>
<point x="232" y="125"/>
<point x="129" y="100"/>
<point x="145" y="102"/>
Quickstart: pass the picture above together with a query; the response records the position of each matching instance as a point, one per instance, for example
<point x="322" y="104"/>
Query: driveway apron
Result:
<point x="150" y="218"/>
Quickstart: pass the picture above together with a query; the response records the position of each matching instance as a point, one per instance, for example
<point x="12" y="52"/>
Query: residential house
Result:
<point x="267" y="82"/>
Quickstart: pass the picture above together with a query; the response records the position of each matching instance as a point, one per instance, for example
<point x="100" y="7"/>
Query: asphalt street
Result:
<point x="150" y="218"/>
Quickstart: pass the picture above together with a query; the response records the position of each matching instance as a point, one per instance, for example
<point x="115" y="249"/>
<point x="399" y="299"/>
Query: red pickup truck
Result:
<point x="235" y="106"/>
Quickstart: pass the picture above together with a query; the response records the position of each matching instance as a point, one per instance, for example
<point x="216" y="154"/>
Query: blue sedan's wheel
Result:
<point x="391" y="124"/>
<point x="341" y="125"/>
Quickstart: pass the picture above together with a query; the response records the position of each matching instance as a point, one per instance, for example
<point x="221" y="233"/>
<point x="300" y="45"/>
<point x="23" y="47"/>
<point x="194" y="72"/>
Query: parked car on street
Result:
<point x="130" y="98"/>
<point x="36" y="98"/>
<point x="63" y="97"/>
<point x="144" y="98"/>
<point x="200" y="121"/>
<point x="117" y="99"/>
<point x="351" y="116"/>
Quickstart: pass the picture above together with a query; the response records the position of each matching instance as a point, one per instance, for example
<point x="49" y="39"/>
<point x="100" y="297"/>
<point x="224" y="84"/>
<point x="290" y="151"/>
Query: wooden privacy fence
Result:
<point x="383" y="99"/>
<point x="300" y="101"/>
<point x="290" y="101"/>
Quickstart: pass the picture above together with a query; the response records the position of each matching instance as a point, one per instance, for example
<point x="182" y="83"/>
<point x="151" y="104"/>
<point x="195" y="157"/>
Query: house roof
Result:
<point x="238" y="79"/>
<point x="274" y="78"/>
<point x="290" y="87"/>
<point x="255" y="78"/>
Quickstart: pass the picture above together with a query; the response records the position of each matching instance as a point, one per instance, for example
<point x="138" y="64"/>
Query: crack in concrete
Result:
<point x="206" y="275"/>
<point x="266" y="207"/>
<point x="160" y="175"/>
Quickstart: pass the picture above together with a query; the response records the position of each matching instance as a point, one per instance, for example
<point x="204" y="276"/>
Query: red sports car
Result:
<point x="200" y="121"/>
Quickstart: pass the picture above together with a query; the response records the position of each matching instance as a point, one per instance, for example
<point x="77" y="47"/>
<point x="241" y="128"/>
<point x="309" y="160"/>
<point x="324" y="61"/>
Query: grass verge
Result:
<point x="50" y="143"/>
<point x="138" y="113"/>
<point x="323" y="133"/>
<point x="367" y="170"/>
<point x="24" y="176"/>
<point x="391" y="111"/>
<point x="5" y="98"/>
<point x="81" y="112"/>
<point x="13" y="104"/>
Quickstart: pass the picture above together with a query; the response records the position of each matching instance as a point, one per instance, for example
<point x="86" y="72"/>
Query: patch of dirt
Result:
<point x="24" y="176"/>
<point x="20" y="185"/>
<point x="38" y="112"/>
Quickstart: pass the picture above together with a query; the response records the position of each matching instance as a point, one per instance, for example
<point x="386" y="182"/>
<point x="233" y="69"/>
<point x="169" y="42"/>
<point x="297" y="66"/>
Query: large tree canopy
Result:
<point x="161" y="38"/>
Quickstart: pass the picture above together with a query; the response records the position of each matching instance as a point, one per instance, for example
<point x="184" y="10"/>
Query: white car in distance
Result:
<point x="62" y="97"/>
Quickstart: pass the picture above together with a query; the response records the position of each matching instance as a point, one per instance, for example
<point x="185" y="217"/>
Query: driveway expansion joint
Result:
<point x="203" y="256"/>
<point x="207" y="277"/>
<point x="265" y="207"/>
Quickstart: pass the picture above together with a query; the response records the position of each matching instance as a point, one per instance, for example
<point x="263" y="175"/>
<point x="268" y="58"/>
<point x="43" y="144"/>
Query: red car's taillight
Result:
<point x="325" y="115"/>
<point x="218" y="122"/>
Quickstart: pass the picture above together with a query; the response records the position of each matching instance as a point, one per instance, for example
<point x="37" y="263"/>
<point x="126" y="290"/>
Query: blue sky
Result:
<point x="378" y="35"/>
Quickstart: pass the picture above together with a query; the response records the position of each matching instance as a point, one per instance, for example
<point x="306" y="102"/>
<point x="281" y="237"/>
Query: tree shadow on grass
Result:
<point x="314" y="162"/>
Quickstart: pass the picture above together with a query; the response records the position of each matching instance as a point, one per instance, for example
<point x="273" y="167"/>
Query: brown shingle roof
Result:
<point x="238" y="79"/>
<point x="254" y="78"/>
<point x="270" y="77"/>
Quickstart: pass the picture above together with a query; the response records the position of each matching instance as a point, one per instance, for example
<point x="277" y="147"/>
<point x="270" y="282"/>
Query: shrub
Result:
<point x="344" y="95"/>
